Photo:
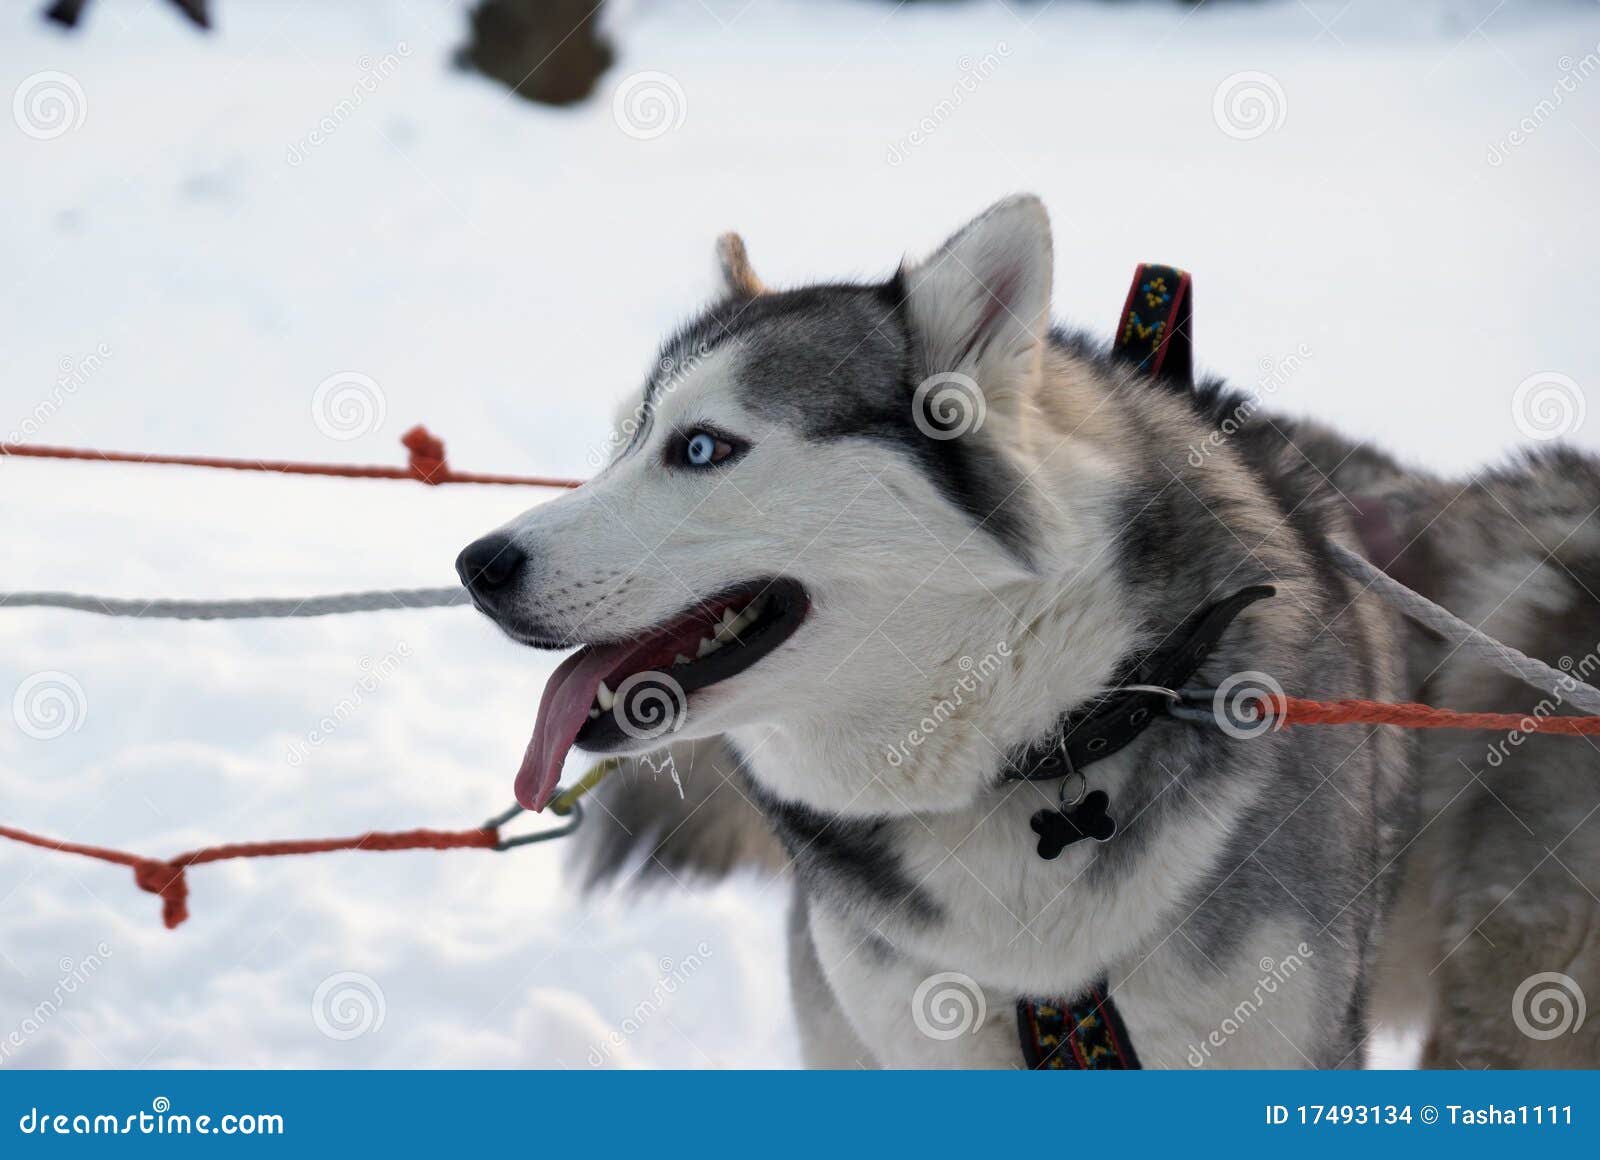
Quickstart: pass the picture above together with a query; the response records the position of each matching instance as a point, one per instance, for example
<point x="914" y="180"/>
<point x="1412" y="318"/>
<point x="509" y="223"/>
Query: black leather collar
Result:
<point x="1142" y="695"/>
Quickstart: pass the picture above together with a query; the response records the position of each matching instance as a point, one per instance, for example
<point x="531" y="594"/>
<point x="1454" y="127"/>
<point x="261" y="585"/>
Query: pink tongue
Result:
<point x="562" y="712"/>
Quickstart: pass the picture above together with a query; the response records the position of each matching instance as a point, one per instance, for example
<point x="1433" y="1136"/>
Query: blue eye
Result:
<point x="701" y="449"/>
<point x="704" y="449"/>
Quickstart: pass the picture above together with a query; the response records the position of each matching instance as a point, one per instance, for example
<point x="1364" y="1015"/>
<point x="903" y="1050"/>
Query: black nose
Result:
<point x="489" y="564"/>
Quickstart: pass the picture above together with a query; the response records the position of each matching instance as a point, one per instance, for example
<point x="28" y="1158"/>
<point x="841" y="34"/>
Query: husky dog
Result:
<point x="866" y="544"/>
<point x="1495" y="949"/>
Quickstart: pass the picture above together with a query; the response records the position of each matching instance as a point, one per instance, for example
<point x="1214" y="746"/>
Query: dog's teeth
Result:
<point x="605" y="697"/>
<point x="593" y="712"/>
<point x="728" y="616"/>
<point x="680" y="659"/>
<point x="707" y="647"/>
<point x="726" y="631"/>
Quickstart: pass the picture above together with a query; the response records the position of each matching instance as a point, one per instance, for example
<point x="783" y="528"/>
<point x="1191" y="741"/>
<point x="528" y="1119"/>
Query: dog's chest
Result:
<point x="968" y="891"/>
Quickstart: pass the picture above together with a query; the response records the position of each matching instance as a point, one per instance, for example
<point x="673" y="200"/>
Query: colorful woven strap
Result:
<point x="1086" y="1034"/>
<point x="1155" y="330"/>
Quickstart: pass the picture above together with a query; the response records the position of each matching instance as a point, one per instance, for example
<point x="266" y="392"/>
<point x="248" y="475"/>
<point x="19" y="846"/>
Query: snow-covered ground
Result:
<point x="1400" y="195"/>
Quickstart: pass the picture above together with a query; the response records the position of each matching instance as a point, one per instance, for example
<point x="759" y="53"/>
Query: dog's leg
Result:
<point x="1519" y="968"/>
<point x="907" y="1014"/>
<point x="827" y="1041"/>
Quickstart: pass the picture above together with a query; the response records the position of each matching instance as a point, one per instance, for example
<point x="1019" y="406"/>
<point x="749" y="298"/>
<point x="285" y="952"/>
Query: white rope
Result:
<point x="1463" y="636"/>
<point x="1565" y="687"/>
<point x="334" y="605"/>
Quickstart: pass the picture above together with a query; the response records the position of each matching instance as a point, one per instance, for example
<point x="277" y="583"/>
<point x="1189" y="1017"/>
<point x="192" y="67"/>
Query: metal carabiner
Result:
<point x="1206" y="706"/>
<point x="573" y="815"/>
<point x="1186" y="706"/>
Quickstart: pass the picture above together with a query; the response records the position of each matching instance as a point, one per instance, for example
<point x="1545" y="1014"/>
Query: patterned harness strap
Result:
<point x="1084" y="1035"/>
<point x="1087" y="1033"/>
<point x="1156" y="331"/>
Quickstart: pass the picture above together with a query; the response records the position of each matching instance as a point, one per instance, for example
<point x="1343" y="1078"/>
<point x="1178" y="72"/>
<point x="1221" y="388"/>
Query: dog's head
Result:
<point x="805" y="481"/>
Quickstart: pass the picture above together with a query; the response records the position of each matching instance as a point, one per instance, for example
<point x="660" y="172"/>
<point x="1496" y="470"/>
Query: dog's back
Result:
<point x="1512" y="857"/>
<point x="1495" y="944"/>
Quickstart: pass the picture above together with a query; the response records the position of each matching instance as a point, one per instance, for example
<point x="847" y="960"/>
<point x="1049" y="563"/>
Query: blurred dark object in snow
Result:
<point x="549" y="51"/>
<point x="67" y="12"/>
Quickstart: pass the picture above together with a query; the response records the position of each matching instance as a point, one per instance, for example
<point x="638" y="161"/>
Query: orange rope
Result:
<point x="1291" y="711"/>
<point x="426" y="464"/>
<point x="165" y="878"/>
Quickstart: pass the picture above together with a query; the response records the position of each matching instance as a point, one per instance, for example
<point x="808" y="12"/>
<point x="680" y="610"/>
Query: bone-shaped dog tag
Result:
<point x="1060" y="828"/>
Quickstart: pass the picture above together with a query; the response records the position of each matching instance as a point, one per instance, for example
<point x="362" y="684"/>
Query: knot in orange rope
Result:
<point x="165" y="879"/>
<point x="427" y="455"/>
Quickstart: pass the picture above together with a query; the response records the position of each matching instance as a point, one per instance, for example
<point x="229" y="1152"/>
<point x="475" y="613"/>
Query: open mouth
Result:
<point x="608" y="696"/>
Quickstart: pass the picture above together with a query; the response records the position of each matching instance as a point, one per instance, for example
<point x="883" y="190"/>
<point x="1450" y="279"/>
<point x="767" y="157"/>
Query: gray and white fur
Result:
<point x="1245" y="914"/>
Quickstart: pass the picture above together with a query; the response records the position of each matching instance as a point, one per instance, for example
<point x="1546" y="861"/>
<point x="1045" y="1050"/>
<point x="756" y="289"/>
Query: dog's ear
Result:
<point x="980" y="306"/>
<point x="738" y="278"/>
